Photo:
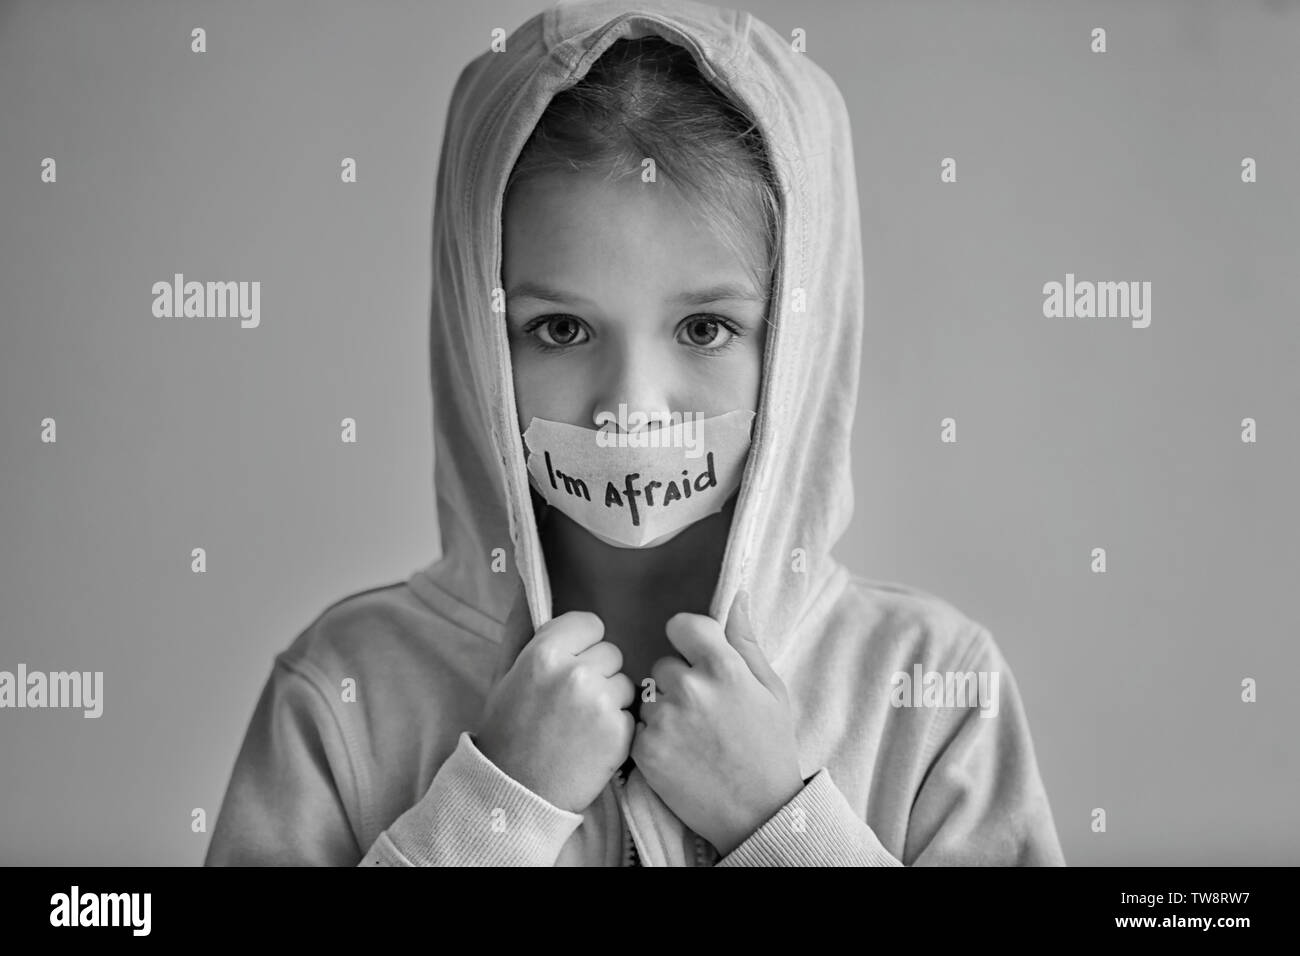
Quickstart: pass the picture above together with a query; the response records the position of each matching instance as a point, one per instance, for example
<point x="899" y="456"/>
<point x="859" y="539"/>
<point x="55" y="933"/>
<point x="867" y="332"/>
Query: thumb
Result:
<point x="516" y="632"/>
<point x="742" y="636"/>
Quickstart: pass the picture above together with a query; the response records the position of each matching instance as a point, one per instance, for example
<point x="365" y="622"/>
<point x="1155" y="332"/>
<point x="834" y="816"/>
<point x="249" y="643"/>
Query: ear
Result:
<point x="742" y="636"/>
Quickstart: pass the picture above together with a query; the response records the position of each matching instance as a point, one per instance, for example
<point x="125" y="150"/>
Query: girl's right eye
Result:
<point x="560" y="332"/>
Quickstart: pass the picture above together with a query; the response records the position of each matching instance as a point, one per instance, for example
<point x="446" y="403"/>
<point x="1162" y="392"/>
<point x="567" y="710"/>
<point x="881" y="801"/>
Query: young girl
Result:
<point x="636" y="647"/>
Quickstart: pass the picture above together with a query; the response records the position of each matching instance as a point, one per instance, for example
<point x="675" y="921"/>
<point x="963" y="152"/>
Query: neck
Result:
<point x="588" y="574"/>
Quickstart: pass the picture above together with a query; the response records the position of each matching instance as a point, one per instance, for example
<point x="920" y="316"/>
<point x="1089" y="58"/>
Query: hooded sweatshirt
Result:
<point x="361" y="748"/>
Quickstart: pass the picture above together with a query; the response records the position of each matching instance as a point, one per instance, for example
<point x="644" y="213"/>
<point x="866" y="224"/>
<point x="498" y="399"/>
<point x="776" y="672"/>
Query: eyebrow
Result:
<point x="717" y="293"/>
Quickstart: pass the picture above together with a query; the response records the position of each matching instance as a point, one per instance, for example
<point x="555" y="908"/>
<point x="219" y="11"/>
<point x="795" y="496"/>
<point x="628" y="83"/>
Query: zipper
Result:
<point x="704" y="855"/>
<point x="630" y="857"/>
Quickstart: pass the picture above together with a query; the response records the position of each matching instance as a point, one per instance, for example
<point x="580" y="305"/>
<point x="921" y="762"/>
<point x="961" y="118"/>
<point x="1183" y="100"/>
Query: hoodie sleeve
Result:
<point x="981" y="800"/>
<point x="293" y="799"/>
<point x="474" y="814"/>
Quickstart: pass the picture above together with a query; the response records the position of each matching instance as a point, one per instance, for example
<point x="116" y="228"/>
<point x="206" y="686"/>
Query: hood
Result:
<point x="796" y="494"/>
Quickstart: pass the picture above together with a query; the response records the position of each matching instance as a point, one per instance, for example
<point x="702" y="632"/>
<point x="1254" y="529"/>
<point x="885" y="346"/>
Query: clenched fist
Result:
<point x="557" y="721"/>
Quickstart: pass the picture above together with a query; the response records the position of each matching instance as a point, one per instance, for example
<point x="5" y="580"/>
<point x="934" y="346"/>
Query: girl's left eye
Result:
<point x="707" y="328"/>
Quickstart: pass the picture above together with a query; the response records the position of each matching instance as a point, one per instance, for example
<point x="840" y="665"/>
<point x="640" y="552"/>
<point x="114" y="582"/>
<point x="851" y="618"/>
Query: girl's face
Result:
<point x="613" y="295"/>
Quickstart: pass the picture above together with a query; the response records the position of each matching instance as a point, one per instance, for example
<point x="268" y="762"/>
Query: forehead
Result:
<point x="622" y="230"/>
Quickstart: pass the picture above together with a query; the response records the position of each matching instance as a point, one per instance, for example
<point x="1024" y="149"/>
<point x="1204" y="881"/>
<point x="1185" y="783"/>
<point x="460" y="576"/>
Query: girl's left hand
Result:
<point x="718" y="744"/>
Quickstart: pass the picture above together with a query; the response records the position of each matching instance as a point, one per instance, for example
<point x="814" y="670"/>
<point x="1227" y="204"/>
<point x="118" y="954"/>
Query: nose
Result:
<point x="633" y="378"/>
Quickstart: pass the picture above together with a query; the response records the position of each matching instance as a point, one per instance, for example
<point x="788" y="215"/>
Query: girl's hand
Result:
<point x="557" y="722"/>
<point x="718" y="744"/>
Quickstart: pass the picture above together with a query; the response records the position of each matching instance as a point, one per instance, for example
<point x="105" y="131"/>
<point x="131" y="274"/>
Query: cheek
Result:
<point x="719" y="385"/>
<point x="539" y="391"/>
<point x="754" y="375"/>
<point x="745" y="380"/>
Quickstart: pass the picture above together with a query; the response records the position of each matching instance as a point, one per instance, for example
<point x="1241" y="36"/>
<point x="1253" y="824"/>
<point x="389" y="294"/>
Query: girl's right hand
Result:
<point x="557" y="721"/>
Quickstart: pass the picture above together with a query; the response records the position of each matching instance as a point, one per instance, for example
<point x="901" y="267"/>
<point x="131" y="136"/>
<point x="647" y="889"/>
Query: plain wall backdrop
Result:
<point x="1072" y="434"/>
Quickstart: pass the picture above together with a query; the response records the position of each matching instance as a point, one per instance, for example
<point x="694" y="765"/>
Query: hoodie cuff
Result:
<point x="474" y="814"/>
<point x="816" y="828"/>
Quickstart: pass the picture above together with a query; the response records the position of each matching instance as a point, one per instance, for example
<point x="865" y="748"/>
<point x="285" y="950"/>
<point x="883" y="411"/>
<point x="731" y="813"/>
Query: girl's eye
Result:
<point x="703" y="332"/>
<point x="560" y="331"/>
<point x="706" y="333"/>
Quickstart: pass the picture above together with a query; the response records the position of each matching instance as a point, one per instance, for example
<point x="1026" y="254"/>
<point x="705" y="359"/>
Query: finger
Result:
<point x="605" y="657"/>
<point x="667" y="674"/>
<point x="572" y="632"/>
<point x="628" y="729"/>
<point x="622" y="691"/>
<point x="698" y="638"/>
<point x="741" y="636"/>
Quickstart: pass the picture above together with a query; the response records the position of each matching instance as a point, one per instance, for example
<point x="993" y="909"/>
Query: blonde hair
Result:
<point x="646" y="97"/>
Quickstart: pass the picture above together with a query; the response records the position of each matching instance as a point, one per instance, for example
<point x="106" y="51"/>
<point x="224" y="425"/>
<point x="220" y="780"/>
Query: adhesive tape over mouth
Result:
<point x="639" y="489"/>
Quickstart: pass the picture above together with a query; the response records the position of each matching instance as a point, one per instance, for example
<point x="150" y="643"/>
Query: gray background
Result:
<point x="1072" y="434"/>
